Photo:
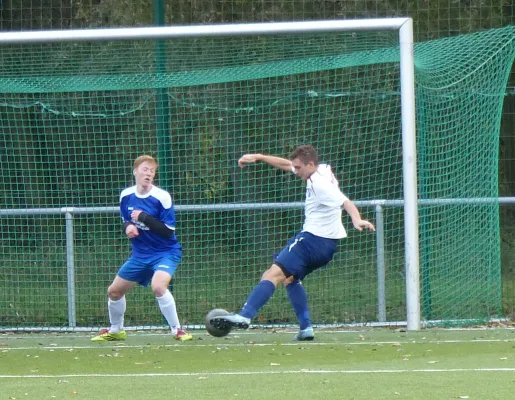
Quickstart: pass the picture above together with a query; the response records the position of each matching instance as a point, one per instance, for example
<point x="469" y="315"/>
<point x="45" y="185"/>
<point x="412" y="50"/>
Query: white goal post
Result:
<point x="409" y="158"/>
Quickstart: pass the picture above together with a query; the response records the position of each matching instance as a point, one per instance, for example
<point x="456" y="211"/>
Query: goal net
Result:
<point x="75" y="114"/>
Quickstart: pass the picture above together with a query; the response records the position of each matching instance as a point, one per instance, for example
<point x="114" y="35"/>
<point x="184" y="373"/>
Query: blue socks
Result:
<point x="299" y="301"/>
<point x="257" y="298"/>
<point x="264" y="290"/>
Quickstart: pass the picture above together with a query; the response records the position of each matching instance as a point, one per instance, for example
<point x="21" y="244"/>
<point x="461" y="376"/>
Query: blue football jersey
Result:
<point x="158" y="204"/>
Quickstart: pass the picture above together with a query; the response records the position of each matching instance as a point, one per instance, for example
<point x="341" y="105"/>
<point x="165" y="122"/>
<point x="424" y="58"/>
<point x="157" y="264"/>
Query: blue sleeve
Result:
<point x="123" y="210"/>
<point x="168" y="217"/>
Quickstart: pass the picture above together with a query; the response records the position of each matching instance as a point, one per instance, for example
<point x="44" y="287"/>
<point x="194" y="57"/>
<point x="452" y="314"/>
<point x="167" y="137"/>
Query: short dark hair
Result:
<point x="305" y="153"/>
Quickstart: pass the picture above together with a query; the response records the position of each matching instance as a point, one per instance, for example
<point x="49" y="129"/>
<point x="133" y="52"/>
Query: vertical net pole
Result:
<point x="409" y="167"/>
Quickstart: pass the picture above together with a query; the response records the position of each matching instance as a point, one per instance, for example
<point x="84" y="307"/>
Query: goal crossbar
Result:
<point x="192" y="31"/>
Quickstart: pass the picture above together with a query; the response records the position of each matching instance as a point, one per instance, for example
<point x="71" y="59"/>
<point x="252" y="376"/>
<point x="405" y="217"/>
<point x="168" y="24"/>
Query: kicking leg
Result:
<point x="259" y="296"/>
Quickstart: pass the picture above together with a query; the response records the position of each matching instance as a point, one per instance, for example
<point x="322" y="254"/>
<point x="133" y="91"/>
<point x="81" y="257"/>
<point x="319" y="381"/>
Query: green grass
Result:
<point x="364" y="364"/>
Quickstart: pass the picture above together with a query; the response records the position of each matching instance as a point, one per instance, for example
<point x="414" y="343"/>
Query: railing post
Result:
<point x="381" y="273"/>
<point x="70" y="267"/>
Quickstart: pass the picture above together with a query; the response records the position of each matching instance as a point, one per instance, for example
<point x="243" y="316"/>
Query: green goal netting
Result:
<point x="74" y="115"/>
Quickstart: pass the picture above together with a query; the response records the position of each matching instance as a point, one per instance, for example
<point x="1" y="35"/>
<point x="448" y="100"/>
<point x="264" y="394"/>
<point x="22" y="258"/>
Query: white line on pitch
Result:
<point x="158" y="345"/>
<point x="306" y="371"/>
<point x="56" y="334"/>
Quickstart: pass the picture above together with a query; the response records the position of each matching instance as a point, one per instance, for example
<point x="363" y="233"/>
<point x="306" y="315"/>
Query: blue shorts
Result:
<point x="141" y="270"/>
<point x="305" y="253"/>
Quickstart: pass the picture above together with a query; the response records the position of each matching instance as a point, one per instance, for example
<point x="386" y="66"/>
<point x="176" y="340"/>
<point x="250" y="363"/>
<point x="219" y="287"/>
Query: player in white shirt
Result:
<point x="149" y="222"/>
<point x="310" y="249"/>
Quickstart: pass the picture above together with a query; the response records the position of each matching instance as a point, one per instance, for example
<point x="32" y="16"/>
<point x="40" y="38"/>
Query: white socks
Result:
<point x="166" y="304"/>
<point x="116" y="311"/>
<point x="169" y="310"/>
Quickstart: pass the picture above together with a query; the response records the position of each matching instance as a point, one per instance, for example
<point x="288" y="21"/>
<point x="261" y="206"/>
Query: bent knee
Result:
<point x="159" y="290"/>
<point x="274" y="274"/>
<point x="115" y="293"/>
<point x="288" y="281"/>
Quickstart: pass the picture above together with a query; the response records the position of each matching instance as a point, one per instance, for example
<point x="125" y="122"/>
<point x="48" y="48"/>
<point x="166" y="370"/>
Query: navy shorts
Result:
<point x="141" y="270"/>
<point x="305" y="253"/>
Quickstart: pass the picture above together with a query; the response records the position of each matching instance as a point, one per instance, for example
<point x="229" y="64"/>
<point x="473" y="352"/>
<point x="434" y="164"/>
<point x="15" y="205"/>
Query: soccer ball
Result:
<point x="216" y="332"/>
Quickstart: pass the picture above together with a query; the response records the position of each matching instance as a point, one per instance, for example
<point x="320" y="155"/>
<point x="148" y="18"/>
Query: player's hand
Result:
<point x="135" y="214"/>
<point x="363" y="224"/>
<point x="247" y="159"/>
<point x="131" y="231"/>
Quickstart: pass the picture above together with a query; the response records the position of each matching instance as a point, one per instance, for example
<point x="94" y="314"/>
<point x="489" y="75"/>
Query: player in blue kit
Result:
<point x="310" y="249"/>
<point x="149" y="222"/>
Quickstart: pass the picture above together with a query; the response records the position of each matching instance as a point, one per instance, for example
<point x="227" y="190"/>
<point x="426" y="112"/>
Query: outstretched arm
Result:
<point x="278" y="162"/>
<point x="358" y="223"/>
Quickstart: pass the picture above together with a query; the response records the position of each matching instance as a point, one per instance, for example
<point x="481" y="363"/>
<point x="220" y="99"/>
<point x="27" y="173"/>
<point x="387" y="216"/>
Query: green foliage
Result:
<point x="433" y="18"/>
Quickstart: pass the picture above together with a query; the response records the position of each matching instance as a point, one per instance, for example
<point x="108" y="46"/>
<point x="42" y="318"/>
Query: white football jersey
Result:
<point x="322" y="210"/>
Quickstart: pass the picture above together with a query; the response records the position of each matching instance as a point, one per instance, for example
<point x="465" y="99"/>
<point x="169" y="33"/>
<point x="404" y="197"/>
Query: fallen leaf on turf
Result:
<point x="503" y="358"/>
<point x="274" y="364"/>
